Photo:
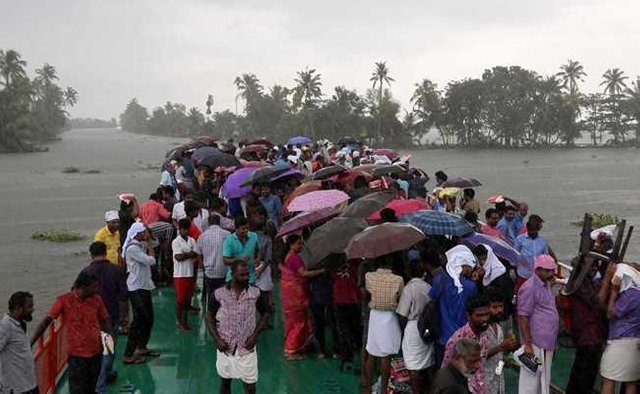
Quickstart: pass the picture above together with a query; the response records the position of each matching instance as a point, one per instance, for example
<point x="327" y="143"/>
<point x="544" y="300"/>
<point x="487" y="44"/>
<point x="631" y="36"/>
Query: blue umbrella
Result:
<point x="438" y="223"/>
<point x="501" y="248"/>
<point x="301" y="139"/>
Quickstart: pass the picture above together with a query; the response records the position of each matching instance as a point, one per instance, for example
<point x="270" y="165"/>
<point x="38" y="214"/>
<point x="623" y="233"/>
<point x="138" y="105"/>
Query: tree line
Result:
<point x="91" y="123"/>
<point x="506" y="106"/>
<point x="32" y="110"/>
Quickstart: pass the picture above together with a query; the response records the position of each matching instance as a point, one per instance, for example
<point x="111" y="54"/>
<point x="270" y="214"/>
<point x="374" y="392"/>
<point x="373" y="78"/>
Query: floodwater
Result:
<point x="560" y="185"/>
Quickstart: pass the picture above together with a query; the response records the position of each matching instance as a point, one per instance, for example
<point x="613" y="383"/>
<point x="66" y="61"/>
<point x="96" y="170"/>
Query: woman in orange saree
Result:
<point x="294" y="292"/>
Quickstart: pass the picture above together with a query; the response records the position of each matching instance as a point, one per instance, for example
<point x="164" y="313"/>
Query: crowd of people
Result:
<point x="441" y="316"/>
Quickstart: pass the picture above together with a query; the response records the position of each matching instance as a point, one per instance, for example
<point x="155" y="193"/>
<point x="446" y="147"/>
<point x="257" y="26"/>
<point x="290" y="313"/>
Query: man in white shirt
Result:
<point x="180" y="212"/>
<point x="17" y="370"/>
<point x="138" y="253"/>
<point x="184" y="258"/>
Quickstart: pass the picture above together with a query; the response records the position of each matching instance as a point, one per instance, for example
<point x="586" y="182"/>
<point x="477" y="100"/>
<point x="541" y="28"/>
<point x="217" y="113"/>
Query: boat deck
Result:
<point x="187" y="363"/>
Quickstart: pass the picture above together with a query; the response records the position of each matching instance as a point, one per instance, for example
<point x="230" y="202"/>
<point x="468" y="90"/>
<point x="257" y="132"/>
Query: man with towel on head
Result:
<point x="110" y="235"/>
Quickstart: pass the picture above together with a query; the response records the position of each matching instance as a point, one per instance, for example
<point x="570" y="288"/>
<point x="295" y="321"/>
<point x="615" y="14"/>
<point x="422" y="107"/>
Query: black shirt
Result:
<point x="450" y="381"/>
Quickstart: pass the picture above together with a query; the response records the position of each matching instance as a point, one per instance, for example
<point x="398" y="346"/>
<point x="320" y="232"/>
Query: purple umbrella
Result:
<point x="301" y="139"/>
<point x="232" y="188"/>
<point x="501" y="248"/>
<point x="306" y="219"/>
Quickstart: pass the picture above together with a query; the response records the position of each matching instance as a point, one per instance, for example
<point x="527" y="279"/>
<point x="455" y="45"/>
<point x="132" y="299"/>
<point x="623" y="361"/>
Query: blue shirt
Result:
<point x="273" y="206"/>
<point x="529" y="248"/>
<point x="508" y="228"/>
<point x="518" y="223"/>
<point x="451" y="304"/>
<point x="234" y="248"/>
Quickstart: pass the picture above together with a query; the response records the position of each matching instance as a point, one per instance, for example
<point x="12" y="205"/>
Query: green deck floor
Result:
<point x="187" y="363"/>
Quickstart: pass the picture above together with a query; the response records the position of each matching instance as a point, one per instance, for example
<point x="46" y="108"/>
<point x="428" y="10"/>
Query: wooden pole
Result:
<point x="623" y="251"/>
<point x="585" y="235"/>
<point x="618" y="242"/>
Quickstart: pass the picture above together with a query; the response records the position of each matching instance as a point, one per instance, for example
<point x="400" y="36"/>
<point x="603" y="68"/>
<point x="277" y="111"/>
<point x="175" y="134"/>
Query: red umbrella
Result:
<point x="401" y="207"/>
<point x="253" y="149"/>
<point x="349" y="177"/>
<point x="390" y="153"/>
<point x="260" y="141"/>
<point x="307" y="219"/>
<point x="248" y="163"/>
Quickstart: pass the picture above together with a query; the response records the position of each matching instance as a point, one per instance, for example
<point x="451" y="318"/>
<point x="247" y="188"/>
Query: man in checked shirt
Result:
<point x="232" y="323"/>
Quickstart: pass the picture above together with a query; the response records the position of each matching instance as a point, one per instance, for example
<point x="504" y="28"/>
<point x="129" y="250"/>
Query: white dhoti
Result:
<point x="536" y="383"/>
<point x="244" y="367"/>
<point x="621" y="360"/>
<point x="417" y="355"/>
<point x="384" y="336"/>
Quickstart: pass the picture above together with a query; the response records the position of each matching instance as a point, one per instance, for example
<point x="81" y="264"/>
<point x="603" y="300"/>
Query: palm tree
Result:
<point x="11" y="66"/>
<point x="633" y="105"/>
<point x="70" y="97"/>
<point x="209" y="103"/>
<point x="570" y="74"/>
<point x="249" y="88"/>
<point x="307" y="93"/>
<point x="379" y="77"/>
<point x="426" y="103"/>
<point x="614" y="81"/>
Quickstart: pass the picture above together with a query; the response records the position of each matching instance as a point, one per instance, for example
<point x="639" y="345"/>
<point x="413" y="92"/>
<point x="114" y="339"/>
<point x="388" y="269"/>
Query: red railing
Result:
<point x="51" y="356"/>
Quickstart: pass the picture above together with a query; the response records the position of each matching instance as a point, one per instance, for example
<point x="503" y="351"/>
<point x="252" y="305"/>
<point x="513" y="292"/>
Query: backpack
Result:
<point x="429" y="319"/>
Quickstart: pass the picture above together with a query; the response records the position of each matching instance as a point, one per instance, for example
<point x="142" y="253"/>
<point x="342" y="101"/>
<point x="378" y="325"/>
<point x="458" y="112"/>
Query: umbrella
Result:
<point x="291" y="173"/>
<point x="317" y="200"/>
<point x="449" y="192"/>
<point x="202" y="152"/>
<point x="376" y="241"/>
<point x="349" y="177"/>
<point x="260" y="141"/>
<point x="301" y="139"/>
<point x="307" y="219"/>
<point x="368" y="168"/>
<point x="207" y="139"/>
<point x="253" y="149"/>
<point x="265" y="174"/>
<point x="305" y="188"/>
<point x="328" y="172"/>
<point x="332" y="237"/>
<point x="496" y="198"/>
<point x="501" y="248"/>
<point x="368" y="204"/>
<point x="390" y="153"/>
<point x="232" y="187"/>
<point x="348" y="140"/>
<point x="461" y="182"/>
<point x="388" y="170"/>
<point x="256" y="164"/>
<point x="401" y="207"/>
<point x="220" y="159"/>
<point x="438" y="223"/>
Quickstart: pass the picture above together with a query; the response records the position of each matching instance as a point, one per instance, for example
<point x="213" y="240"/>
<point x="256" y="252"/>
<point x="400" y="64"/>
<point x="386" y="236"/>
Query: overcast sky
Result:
<point x="159" y="50"/>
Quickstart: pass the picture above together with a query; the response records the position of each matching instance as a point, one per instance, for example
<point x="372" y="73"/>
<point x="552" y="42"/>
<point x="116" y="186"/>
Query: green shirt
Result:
<point x="234" y="248"/>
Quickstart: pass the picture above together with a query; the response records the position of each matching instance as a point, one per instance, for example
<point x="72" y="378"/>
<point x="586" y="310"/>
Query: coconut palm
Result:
<point x="633" y="105"/>
<point x="70" y="97"/>
<point x="11" y="66"/>
<point x="426" y="103"/>
<point x="379" y="77"/>
<point x="614" y="81"/>
<point x="249" y="89"/>
<point x="307" y="93"/>
<point x="209" y="103"/>
<point x="570" y="74"/>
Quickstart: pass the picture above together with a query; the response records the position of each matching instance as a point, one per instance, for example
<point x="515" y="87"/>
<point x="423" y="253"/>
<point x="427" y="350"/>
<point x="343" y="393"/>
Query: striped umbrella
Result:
<point x="438" y="223"/>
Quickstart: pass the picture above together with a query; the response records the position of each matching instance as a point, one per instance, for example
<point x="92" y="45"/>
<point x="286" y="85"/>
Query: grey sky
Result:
<point x="159" y="50"/>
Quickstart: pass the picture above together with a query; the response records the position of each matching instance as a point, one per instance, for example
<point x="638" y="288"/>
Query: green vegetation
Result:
<point x="504" y="107"/>
<point x="58" y="236"/>
<point x="32" y="111"/>
<point x="600" y="219"/>
<point x="92" y="171"/>
<point x="70" y="170"/>
<point x="91" y="123"/>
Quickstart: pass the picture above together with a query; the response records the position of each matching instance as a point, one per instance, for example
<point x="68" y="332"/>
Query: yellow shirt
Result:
<point x="112" y="240"/>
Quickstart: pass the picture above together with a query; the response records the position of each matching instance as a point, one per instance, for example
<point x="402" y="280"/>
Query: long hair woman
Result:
<point x="298" y="324"/>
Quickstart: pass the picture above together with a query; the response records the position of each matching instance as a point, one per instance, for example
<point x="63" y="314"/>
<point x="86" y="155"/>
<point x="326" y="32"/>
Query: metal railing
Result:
<point x="51" y="356"/>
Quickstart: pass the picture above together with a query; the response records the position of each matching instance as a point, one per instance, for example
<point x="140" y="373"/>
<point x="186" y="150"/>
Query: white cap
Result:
<point x="111" y="215"/>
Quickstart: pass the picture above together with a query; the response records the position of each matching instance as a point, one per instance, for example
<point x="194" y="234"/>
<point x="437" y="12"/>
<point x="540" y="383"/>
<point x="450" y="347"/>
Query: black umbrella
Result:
<point x="332" y="237"/>
<point x="388" y="170"/>
<point x="365" y="206"/>
<point x="328" y="172"/>
<point x="265" y="174"/>
<point x="220" y="159"/>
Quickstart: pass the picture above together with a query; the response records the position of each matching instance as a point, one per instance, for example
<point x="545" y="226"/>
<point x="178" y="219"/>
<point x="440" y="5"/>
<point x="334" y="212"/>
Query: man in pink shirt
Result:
<point x="153" y="210"/>
<point x="491" y="226"/>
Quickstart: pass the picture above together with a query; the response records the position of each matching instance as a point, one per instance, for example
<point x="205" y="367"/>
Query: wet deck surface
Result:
<point x="187" y="363"/>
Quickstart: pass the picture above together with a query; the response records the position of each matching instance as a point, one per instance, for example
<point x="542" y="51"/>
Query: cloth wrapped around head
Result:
<point x="111" y="215"/>
<point x="544" y="261"/>
<point x="135" y="229"/>
<point x="493" y="268"/>
<point x="630" y="277"/>
<point x="457" y="257"/>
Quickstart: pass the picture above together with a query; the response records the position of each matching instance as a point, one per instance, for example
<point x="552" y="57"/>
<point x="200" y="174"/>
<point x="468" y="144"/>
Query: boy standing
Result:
<point x="184" y="257"/>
